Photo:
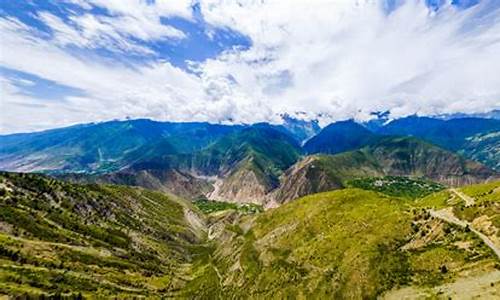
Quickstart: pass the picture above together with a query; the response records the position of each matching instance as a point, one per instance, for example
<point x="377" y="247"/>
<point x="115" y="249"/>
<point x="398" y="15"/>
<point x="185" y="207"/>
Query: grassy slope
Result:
<point x="107" y="240"/>
<point x="343" y="244"/>
<point x="487" y="204"/>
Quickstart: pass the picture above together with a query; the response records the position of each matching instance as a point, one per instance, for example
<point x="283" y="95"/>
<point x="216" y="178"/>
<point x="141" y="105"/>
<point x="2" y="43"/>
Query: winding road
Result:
<point x="448" y="216"/>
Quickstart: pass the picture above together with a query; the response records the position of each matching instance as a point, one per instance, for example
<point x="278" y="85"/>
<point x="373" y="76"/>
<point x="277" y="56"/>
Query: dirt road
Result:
<point x="448" y="216"/>
<point x="469" y="201"/>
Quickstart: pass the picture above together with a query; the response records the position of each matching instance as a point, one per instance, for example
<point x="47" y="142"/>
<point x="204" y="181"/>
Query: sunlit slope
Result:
<point x="96" y="240"/>
<point x="348" y="244"/>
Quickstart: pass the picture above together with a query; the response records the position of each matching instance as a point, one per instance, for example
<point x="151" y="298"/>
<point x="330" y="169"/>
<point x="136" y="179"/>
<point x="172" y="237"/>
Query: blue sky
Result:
<point x="202" y="40"/>
<point x="72" y="61"/>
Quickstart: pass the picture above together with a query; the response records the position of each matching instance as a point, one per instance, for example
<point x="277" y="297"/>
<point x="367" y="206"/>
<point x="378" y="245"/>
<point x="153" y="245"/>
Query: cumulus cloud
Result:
<point x="337" y="59"/>
<point x="348" y="58"/>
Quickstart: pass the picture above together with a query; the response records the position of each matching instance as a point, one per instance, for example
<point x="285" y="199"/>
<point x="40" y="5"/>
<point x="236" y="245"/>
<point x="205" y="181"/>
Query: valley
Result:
<point x="68" y="239"/>
<point x="194" y="210"/>
<point x="250" y="149"/>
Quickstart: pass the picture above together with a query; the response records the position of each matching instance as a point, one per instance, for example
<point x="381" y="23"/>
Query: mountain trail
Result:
<point x="469" y="201"/>
<point x="448" y="216"/>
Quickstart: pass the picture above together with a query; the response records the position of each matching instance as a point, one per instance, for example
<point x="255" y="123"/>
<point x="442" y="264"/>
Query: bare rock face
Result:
<point x="242" y="186"/>
<point x="171" y="181"/>
<point x="302" y="179"/>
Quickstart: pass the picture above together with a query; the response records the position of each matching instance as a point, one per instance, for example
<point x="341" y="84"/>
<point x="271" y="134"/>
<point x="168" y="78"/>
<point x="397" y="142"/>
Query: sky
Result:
<point x="243" y="61"/>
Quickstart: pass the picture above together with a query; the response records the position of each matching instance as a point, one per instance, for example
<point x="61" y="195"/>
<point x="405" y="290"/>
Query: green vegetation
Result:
<point x="343" y="244"/>
<point x="261" y="149"/>
<point x="435" y="200"/>
<point x="397" y="186"/>
<point x="486" y="206"/>
<point x="60" y="238"/>
<point x="475" y="138"/>
<point x="483" y="147"/>
<point x="210" y="206"/>
<point x="108" y="241"/>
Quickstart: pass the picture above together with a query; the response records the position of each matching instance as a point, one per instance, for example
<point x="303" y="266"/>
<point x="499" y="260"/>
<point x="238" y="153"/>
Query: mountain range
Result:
<point x="261" y="163"/>
<point x="141" y="208"/>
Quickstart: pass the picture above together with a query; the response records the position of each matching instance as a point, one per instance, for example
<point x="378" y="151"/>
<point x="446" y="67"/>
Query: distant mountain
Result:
<point x="255" y="163"/>
<point x="110" y="146"/>
<point x="483" y="147"/>
<point x="102" y="147"/>
<point x="461" y="135"/>
<point x="397" y="156"/>
<point x="494" y="114"/>
<point x="302" y="130"/>
<point x="340" y="137"/>
<point x="450" y="134"/>
<point x="246" y="163"/>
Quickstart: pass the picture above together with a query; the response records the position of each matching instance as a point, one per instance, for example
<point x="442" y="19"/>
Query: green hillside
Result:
<point x="107" y="241"/>
<point x="484" y="148"/>
<point x="96" y="240"/>
<point x="270" y="150"/>
<point x="347" y="244"/>
<point x="475" y="138"/>
<point x="340" y="137"/>
<point x="250" y="163"/>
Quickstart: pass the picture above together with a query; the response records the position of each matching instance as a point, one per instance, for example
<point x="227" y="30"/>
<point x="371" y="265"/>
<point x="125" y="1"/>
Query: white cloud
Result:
<point x="341" y="58"/>
<point x="112" y="90"/>
<point x="127" y="22"/>
<point x="137" y="18"/>
<point x="344" y="56"/>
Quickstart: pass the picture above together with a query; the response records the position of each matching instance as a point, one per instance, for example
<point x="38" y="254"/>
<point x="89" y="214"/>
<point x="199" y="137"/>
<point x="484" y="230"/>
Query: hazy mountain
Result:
<point x="339" y="137"/>
<point x="462" y="135"/>
<point x="102" y="147"/>
<point x="245" y="163"/>
<point x="110" y="146"/>
<point x="243" y="166"/>
<point x="449" y="134"/>
<point x="302" y="130"/>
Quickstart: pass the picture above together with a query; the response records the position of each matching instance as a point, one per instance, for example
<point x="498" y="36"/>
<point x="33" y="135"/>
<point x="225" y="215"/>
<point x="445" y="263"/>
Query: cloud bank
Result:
<point x="338" y="59"/>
